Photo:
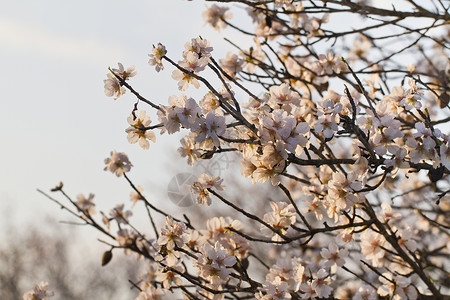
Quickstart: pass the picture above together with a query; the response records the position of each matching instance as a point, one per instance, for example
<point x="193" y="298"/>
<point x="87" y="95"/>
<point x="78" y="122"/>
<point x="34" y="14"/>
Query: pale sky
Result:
<point x="56" y="122"/>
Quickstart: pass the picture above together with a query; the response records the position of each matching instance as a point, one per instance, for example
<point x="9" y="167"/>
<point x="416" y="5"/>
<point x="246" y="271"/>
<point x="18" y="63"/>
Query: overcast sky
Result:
<point x="56" y="122"/>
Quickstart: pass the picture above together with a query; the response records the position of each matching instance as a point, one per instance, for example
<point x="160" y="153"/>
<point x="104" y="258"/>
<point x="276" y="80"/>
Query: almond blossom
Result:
<point x="39" y="292"/>
<point x="333" y="256"/>
<point x="173" y="235"/>
<point x="274" y="290"/>
<point x="156" y="57"/>
<point x="152" y="293"/>
<point x="118" y="214"/>
<point x="184" y="80"/>
<point x="124" y="74"/>
<point x="138" y="130"/>
<point x="232" y="64"/>
<point x="118" y="163"/>
<point x="215" y="16"/>
<point x="371" y="247"/>
<point x="113" y="88"/>
<point x="86" y="205"/>
<point x="200" y="46"/>
<point x="396" y="287"/>
<point x="213" y="263"/>
<point x="283" y="95"/>
<point x="280" y="218"/>
<point x="189" y="149"/>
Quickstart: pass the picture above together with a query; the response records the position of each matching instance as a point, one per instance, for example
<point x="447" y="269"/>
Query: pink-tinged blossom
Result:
<point x="173" y="234"/>
<point x="331" y="63"/>
<point x="248" y="168"/>
<point x="181" y="112"/>
<point x="278" y="126"/>
<point x="203" y="196"/>
<point x="232" y="64"/>
<point x="106" y="220"/>
<point x="365" y="292"/>
<point x="149" y="277"/>
<point x="397" y="161"/>
<point x="307" y="291"/>
<point x="189" y="149"/>
<point x="300" y="276"/>
<point x="285" y="269"/>
<point x="209" y="103"/>
<point x="152" y="293"/>
<point x="371" y="247"/>
<point x="333" y="256"/>
<point x="156" y="57"/>
<point x="86" y="205"/>
<point x="280" y="3"/>
<point x="138" y="132"/>
<point x="118" y="163"/>
<point x="329" y="119"/>
<point x="200" y="46"/>
<point x="126" y="239"/>
<point x="316" y="206"/>
<point x="312" y="25"/>
<point x="227" y="93"/>
<point x="388" y="214"/>
<point x="118" y="214"/>
<point x="199" y="188"/>
<point x="220" y="229"/>
<point x="135" y="196"/>
<point x="213" y="182"/>
<point x="396" y="287"/>
<point x="384" y="138"/>
<point x="253" y="56"/>
<point x="192" y="62"/>
<point x="280" y="218"/>
<point x="216" y="127"/>
<point x="124" y="74"/>
<point x="213" y="263"/>
<point x="422" y="149"/>
<point x="408" y="99"/>
<point x="113" y="88"/>
<point x="213" y="127"/>
<point x="184" y="80"/>
<point x="169" y="278"/>
<point x="345" y="235"/>
<point x="320" y="284"/>
<point x="397" y="95"/>
<point x="342" y="188"/>
<point x="282" y="95"/>
<point x="269" y="165"/>
<point x="194" y="241"/>
<point x="274" y="290"/>
<point x="360" y="48"/>
<point x="215" y="16"/>
<point x="189" y="112"/>
<point x="39" y="292"/>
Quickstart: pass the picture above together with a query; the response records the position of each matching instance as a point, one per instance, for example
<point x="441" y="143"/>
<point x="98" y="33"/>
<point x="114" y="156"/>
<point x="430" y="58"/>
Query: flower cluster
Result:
<point x="156" y="57"/>
<point x="195" y="59"/>
<point x="118" y="163"/>
<point x="353" y="144"/>
<point x="113" y="86"/>
<point x="39" y="292"/>
<point x="138" y="130"/>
